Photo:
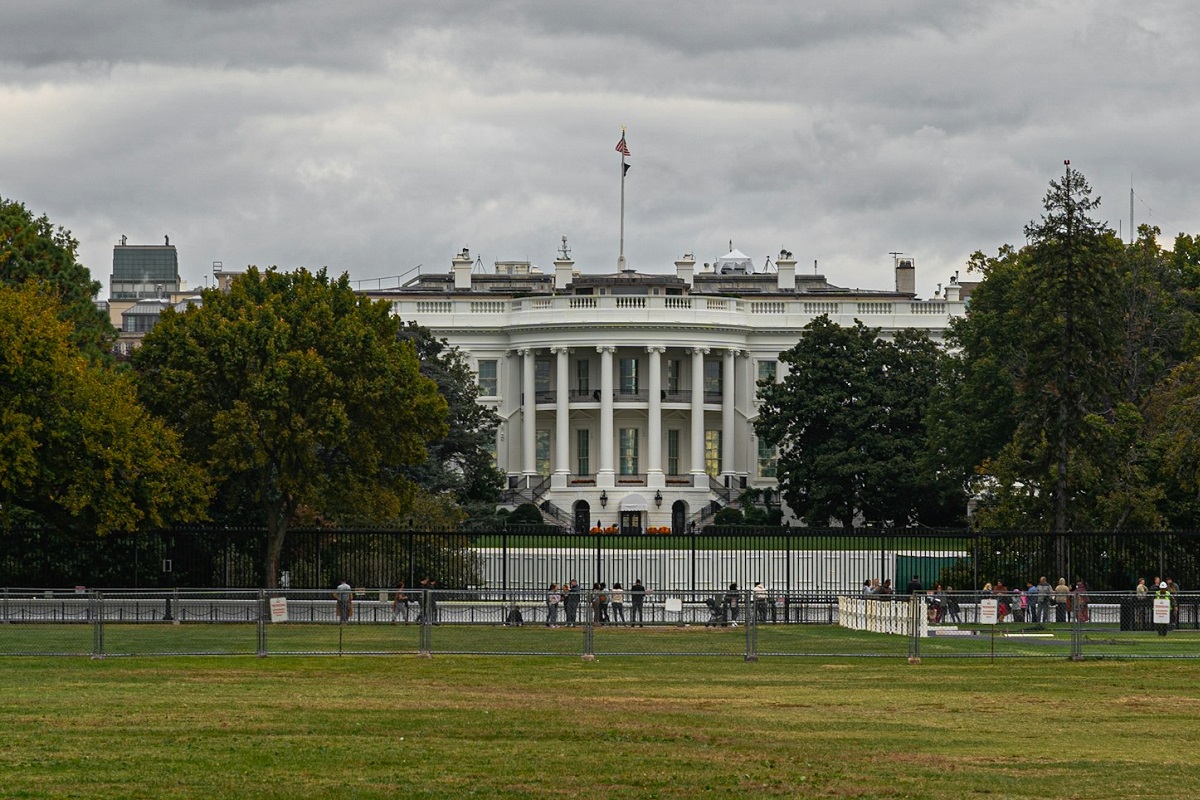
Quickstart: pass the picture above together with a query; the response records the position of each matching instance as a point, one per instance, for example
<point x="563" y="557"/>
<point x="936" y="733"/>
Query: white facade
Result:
<point x="629" y="399"/>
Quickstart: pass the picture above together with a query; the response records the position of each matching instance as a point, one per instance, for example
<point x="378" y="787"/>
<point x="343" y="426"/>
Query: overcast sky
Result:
<point x="375" y="137"/>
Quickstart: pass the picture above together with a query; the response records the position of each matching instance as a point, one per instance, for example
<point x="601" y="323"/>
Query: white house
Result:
<point x="628" y="399"/>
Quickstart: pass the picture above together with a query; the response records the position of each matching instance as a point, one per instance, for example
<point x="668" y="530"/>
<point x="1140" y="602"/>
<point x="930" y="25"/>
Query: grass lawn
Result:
<point x="650" y="727"/>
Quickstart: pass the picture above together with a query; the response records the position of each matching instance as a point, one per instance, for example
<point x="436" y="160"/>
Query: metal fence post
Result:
<point x="96" y="608"/>
<point x="425" y="643"/>
<point x="263" y="611"/>
<point x="750" y="603"/>
<point x="916" y="607"/>
<point x="589" y="631"/>
<point x="1076" y="633"/>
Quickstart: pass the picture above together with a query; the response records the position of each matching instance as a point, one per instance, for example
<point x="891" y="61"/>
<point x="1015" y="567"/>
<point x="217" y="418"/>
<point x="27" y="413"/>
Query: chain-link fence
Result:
<point x="599" y="621"/>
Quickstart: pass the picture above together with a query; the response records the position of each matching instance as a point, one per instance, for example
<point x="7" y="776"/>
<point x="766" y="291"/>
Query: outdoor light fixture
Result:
<point x="658" y="499"/>
<point x="603" y="499"/>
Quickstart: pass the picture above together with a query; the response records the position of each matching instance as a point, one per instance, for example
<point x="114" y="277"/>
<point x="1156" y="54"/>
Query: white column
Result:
<point x="529" y="418"/>
<point x="728" y="389"/>
<point x="698" y="416"/>
<point x="605" y="477"/>
<point x="562" y="420"/>
<point x="654" y="471"/>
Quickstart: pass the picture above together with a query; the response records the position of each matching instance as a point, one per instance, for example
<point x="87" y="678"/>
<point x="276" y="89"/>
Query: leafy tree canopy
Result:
<point x="1062" y="346"/>
<point x="77" y="450"/>
<point x="31" y="248"/>
<point x="849" y="422"/>
<point x="462" y="461"/>
<point x="295" y="393"/>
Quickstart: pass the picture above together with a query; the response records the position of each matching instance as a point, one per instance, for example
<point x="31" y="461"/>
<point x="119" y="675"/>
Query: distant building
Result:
<point x="143" y="271"/>
<point x="628" y="399"/>
<point x="144" y="281"/>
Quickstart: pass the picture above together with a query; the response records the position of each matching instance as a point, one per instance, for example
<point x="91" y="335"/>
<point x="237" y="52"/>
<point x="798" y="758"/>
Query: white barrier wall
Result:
<point x="883" y="616"/>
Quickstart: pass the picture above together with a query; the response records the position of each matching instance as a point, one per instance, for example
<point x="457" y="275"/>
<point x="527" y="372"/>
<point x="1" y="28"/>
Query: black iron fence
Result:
<point x="787" y="561"/>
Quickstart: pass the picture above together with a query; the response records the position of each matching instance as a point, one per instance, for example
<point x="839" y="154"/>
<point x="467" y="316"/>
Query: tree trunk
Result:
<point x="277" y="527"/>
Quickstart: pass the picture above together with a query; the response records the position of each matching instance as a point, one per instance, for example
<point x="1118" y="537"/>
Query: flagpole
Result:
<point x="621" y="255"/>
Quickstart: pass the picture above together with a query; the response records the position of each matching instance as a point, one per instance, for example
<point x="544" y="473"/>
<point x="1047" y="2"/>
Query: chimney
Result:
<point x="563" y="268"/>
<point x="684" y="268"/>
<point x="461" y="267"/>
<point x="954" y="291"/>
<point x="563" y="273"/>
<point x="785" y="266"/>
<point x="906" y="276"/>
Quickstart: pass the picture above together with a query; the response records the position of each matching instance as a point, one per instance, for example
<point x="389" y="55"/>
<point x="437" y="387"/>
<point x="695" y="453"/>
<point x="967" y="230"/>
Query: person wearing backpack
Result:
<point x="618" y="604"/>
<point x="553" y="599"/>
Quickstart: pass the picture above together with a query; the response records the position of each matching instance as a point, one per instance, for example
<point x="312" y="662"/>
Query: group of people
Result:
<point x="608" y="604"/>
<point x="1040" y="603"/>
<point x="1167" y="590"/>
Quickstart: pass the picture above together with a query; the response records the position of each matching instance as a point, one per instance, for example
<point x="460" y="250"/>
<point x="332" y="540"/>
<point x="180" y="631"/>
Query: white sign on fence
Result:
<point x="1162" y="611"/>
<point x="279" y="609"/>
<point x="989" y="611"/>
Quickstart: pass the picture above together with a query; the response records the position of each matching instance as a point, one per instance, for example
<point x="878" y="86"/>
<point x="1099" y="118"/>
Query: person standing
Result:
<point x="1175" y="591"/>
<point x="1164" y="593"/>
<point x="914" y="586"/>
<point x="618" y="604"/>
<point x="1081" y="602"/>
<point x="731" y="604"/>
<point x="345" y="601"/>
<point x="400" y="604"/>
<point x="637" y="596"/>
<point x="571" y="604"/>
<point x="1044" y="590"/>
<point x="1062" y="596"/>
<point x="1141" y="604"/>
<point x="553" y="598"/>
<point x="761" y="601"/>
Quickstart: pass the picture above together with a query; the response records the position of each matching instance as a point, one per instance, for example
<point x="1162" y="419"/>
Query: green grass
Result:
<point x="461" y="726"/>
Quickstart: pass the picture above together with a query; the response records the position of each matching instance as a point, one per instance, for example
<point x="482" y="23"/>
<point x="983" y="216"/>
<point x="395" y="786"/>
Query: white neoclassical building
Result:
<point x="628" y="399"/>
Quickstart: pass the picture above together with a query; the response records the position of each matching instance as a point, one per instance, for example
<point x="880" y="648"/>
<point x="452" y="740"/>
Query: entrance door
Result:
<point x="583" y="517"/>
<point x="678" y="517"/>
<point x="631" y="522"/>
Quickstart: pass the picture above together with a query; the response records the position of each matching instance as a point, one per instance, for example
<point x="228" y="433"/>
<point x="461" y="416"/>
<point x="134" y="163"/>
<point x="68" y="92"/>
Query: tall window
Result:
<point x="629" y="451"/>
<point x="583" y="465"/>
<point x="767" y="459"/>
<point x="582" y="379"/>
<point x="712" y="378"/>
<point x="541" y="375"/>
<point x="489" y="447"/>
<point x="543" y="452"/>
<point x="629" y="376"/>
<point x="712" y="452"/>
<point x="673" y="452"/>
<point x="487" y="378"/>
<point x="673" y="375"/>
<point x="766" y="371"/>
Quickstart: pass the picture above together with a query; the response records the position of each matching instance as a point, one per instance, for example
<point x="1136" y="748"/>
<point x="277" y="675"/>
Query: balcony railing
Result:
<point x="785" y="313"/>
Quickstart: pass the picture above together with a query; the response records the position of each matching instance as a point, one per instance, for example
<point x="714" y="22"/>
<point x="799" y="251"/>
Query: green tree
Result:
<point x="32" y="248"/>
<point x="298" y="396"/>
<point x="849" y="421"/>
<point x="1071" y="342"/>
<point x="77" y="449"/>
<point x="462" y="461"/>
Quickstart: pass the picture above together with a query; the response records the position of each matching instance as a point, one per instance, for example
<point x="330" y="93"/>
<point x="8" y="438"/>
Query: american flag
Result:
<point x="622" y="148"/>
